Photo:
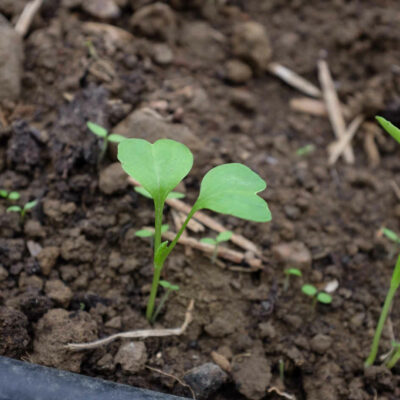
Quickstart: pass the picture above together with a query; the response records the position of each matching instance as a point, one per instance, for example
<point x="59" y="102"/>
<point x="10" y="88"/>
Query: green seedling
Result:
<point x="389" y="128"/>
<point x="318" y="296"/>
<point x="305" y="150"/>
<point x="106" y="136"/>
<point x="173" y="195"/>
<point x="229" y="189"/>
<point x="168" y="289"/>
<point x="391" y="235"/>
<point x="9" y="195"/>
<point x="23" y="210"/>
<point x="222" y="237"/>
<point x="394" y="285"/>
<point x="288" y="273"/>
<point x="144" y="233"/>
<point x="282" y="371"/>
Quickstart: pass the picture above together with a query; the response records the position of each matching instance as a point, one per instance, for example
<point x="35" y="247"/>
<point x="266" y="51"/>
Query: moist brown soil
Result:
<point x="92" y="279"/>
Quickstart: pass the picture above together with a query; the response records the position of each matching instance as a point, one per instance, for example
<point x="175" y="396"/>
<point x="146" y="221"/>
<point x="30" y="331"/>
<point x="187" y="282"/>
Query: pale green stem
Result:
<point x="164" y="298"/>
<point x="286" y="283"/>
<point x="378" y="332"/>
<point x="215" y="253"/>
<point x="103" y="150"/>
<point x="393" y="359"/>
<point x="157" y="267"/>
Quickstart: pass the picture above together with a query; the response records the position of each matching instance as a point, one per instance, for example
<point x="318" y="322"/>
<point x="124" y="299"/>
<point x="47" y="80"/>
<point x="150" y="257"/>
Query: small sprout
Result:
<point x="9" y="195"/>
<point x="172" y="195"/>
<point x="282" y="371"/>
<point x="318" y="296"/>
<point x="222" y="237"/>
<point x="147" y="233"/>
<point x="288" y="272"/>
<point x="23" y="210"/>
<point x="305" y="150"/>
<point x="106" y="136"/>
<point x="394" y="285"/>
<point x="391" y="235"/>
<point x="394" y="356"/>
<point x="169" y="288"/>
<point x="159" y="167"/>
<point x="389" y="128"/>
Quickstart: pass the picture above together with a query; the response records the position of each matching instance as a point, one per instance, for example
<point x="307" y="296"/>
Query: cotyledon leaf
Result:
<point x="158" y="167"/>
<point x="232" y="189"/>
<point x="389" y="128"/>
<point x="97" y="129"/>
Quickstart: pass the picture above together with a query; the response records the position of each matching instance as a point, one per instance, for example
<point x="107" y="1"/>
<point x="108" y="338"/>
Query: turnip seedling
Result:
<point x="288" y="273"/>
<point x="159" y="167"/>
<point x="168" y="289"/>
<point x="9" y="195"/>
<point x="222" y="237"/>
<point x="23" y="210"/>
<point x="318" y="296"/>
<point x="106" y="136"/>
<point x="394" y="285"/>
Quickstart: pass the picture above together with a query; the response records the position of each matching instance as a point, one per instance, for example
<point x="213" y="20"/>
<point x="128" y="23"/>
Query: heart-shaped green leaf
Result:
<point x="224" y="236"/>
<point x="158" y="167"/>
<point x="389" y="128"/>
<point x="232" y="189"/>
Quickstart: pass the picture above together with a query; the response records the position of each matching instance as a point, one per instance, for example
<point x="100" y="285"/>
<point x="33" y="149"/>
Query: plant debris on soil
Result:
<point x="197" y="72"/>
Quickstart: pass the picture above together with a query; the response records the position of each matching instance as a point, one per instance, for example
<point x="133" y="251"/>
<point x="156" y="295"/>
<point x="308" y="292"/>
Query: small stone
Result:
<point x="113" y="179"/>
<point x="59" y="292"/>
<point x="32" y="281"/>
<point x="221" y="325"/>
<point x="47" y="259"/>
<point x="106" y="363"/>
<point x="162" y="54"/>
<point x="130" y="264"/>
<point x="3" y="273"/>
<point x="250" y="42"/>
<point x="237" y="71"/>
<point x="252" y="375"/>
<point x="115" y="323"/>
<point x="243" y="100"/>
<point x="293" y="254"/>
<point x="205" y="379"/>
<point x="11" y="57"/>
<point x="34" y="229"/>
<point x="102" y="9"/>
<point x="221" y="361"/>
<point x="155" y="21"/>
<point x="321" y="343"/>
<point x="132" y="356"/>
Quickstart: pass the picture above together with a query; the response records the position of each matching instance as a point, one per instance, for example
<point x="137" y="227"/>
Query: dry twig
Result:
<point x="333" y="106"/>
<point x="282" y="394"/>
<point x="314" y="107"/>
<point x="337" y="148"/>
<point x="293" y="79"/>
<point x="24" y="21"/>
<point x="145" y="333"/>
<point x="370" y="147"/>
<point x="180" y="381"/>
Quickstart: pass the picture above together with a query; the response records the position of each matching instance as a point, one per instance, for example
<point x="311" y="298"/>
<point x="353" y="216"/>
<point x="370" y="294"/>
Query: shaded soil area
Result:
<point x="195" y="71"/>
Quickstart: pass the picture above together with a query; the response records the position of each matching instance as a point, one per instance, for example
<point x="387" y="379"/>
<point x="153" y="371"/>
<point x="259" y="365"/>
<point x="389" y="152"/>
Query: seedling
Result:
<point x="389" y="128"/>
<point x="160" y="167"/>
<point x="23" y="210"/>
<point x="394" y="355"/>
<point x="391" y="235"/>
<point x="394" y="285"/>
<point x="222" y="237"/>
<point x="9" y="195"/>
<point x="288" y="273"/>
<point x="173" y="195"/>
<point x="147" y="233"/>
<point x="318" y="296"/>
<point x="106" y="136"/>
<point x="168" y="289"/>
<point x="305" y="150"/>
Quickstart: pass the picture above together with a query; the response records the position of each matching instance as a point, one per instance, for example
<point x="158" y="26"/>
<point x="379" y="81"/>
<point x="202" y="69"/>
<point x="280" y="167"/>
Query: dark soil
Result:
<point x="93" y="276"/>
